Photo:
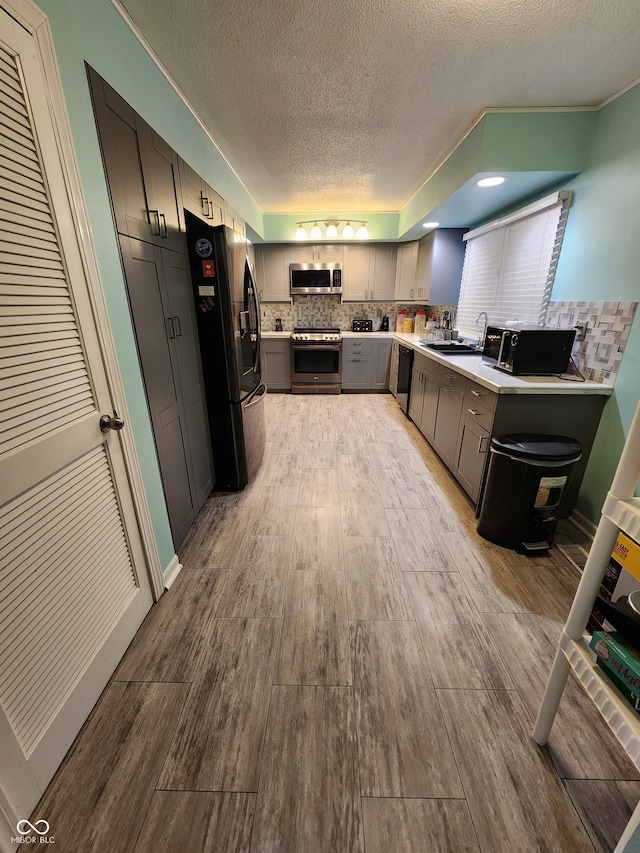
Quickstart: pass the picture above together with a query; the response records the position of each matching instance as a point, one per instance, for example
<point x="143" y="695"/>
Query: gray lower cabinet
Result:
<point x="381" y="364"/>
<point x="458" y="417"/>
<point x="451" y="392"/>
<point x="276" y="363"/>
<point x="365" y="363"/>
<point x="455" y="415"/>
<point x="357" y="359"/>
<point x="159" y="290"/>
<point x="423" y="402"/>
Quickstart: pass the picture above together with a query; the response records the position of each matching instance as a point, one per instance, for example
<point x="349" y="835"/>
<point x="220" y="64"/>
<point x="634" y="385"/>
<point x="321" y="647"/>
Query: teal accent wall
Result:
<point x="600" y="261"/>
<point x="558" y="141"/>
<point x="94" y="32"/>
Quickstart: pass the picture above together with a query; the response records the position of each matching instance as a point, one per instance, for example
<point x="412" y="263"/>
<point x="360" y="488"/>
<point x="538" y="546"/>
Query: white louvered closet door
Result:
<point x="73" y="580"/>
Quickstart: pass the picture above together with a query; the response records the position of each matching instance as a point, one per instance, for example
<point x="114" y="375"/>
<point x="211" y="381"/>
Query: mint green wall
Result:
<point x="600" y="261"/>
<point x="92" y="31"/>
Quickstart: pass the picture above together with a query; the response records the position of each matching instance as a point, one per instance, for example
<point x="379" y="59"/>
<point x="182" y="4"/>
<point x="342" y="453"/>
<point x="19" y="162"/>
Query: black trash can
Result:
<point x="523" y="493"/>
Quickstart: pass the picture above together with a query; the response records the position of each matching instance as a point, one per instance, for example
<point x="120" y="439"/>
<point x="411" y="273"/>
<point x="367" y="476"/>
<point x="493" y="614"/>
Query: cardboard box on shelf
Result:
<point x="620" y="662"/>
<point x="622" y="576"/>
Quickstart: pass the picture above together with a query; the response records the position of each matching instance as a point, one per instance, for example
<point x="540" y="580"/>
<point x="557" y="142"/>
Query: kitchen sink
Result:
<point x="451" y="348"/>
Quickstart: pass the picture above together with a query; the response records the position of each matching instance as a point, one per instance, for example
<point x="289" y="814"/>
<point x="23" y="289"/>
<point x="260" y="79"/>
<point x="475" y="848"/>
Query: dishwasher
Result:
<point x="405" y="368"/>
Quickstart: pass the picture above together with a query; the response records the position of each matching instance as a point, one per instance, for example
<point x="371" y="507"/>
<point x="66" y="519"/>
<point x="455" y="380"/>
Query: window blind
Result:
<point x="510" y="264"/>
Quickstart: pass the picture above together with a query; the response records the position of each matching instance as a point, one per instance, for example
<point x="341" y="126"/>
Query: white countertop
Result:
<point x="473" y="367"/>
<point x="345" y="334"/>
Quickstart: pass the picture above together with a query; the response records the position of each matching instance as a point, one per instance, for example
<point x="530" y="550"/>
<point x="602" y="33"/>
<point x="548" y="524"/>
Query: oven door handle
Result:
<point x="327" y="346"/>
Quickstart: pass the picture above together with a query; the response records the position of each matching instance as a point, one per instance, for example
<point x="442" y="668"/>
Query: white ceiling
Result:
<point x="341" y="106"/>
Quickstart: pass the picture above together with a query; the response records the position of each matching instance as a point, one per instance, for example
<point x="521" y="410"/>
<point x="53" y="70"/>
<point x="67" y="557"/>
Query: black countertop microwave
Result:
<point x="307" y="279"/>
<point x="530" y="351"/>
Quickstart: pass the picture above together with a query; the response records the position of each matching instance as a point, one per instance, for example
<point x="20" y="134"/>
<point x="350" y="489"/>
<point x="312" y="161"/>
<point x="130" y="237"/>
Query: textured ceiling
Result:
<point x="351" y="106"/>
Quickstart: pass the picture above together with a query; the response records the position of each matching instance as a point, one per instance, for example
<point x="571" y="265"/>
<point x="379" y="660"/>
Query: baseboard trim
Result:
<point x="172" y="571"/>
<point x="583" y="524"/>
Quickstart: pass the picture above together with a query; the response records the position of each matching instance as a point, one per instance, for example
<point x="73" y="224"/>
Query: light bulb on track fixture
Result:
<point x="330" y="230"/>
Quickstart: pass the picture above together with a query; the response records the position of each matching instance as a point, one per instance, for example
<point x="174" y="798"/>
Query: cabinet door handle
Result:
<point x="474" y="413"/>
<point x="156" y="213"/>
<point x="207" y="207"/>
<point x="163" y="226"/>
<point x="177" y="326"/>
<point x="476" y="393"/>
<point x="170" y="327"/>
<point x="411" y="293"/>
<point x="483" y="448"/>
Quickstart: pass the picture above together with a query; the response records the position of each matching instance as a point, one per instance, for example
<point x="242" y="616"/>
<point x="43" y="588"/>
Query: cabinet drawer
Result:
<point x="356" y="346"/>
<point x="482" y="395"/>
<point x="450" y="379"/>
<point x="477" y="412"/>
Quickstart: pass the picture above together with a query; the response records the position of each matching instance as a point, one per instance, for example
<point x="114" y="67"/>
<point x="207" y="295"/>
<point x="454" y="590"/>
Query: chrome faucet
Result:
<point x="484" y="329"/>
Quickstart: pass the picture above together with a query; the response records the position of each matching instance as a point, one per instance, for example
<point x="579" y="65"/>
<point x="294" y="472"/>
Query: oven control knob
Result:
<point x="514" y="340"/>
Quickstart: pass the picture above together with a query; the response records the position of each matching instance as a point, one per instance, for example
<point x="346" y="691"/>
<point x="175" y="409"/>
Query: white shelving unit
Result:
<point x="621" y="511"/>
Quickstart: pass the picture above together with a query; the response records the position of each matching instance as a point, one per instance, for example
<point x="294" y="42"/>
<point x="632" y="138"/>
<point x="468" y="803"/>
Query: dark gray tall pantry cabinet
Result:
<point x="144" y="184"/>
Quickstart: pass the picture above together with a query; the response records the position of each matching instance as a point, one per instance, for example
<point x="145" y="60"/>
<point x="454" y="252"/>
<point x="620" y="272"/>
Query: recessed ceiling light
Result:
<point x="494" y="181"/>
<point x="430" y="224"/>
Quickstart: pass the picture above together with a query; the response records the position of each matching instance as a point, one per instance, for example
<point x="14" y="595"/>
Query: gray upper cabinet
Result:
<point x="272" y="273"/>
<point x="142" y="170"/>
<point x="384" y="272"/>
<point x="406" y="269"/>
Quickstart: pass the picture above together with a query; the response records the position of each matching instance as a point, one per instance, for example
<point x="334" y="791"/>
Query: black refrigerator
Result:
<point x="228" y="314"/>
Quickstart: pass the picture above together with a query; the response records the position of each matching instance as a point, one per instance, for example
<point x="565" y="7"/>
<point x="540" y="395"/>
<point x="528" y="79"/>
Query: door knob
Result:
<point x="107" y="422"/>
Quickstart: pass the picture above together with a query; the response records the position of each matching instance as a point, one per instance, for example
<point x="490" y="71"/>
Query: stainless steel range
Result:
<point x="316" y="361"/>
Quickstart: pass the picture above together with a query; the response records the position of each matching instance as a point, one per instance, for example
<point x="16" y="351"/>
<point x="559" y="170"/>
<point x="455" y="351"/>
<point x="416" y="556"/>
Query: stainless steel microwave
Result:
<point x="530" y="351"/>
<point x="307" y="279"/>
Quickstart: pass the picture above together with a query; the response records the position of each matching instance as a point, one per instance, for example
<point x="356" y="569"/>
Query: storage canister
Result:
<point x="402" y="316"/>
<point x="420" y="322"/>
<point x="408" y="324"/>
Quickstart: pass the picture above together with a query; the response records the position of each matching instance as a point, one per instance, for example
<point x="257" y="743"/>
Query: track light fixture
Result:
<point x="331" y="230"/>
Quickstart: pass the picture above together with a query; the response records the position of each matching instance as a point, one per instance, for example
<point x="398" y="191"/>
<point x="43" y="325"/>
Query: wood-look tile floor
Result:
<point x="344" y="666"/>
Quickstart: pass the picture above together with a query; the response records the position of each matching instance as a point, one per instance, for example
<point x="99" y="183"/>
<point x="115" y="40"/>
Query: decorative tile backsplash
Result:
<point x="598" y="356"/>
<point x="331" y="311"/>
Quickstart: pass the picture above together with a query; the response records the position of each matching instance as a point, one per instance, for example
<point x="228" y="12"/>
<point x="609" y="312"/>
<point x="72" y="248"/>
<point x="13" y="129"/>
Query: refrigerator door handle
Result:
<point x="257" y="392"/>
